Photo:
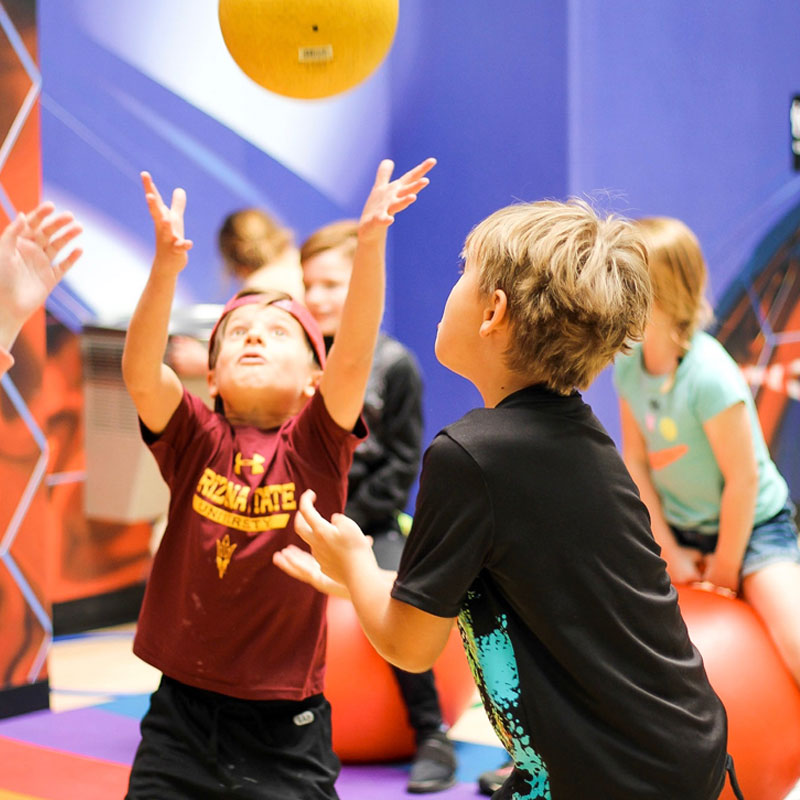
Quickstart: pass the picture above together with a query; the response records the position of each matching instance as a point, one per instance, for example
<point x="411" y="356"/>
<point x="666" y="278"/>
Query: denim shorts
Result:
<point x="771" y="542"/>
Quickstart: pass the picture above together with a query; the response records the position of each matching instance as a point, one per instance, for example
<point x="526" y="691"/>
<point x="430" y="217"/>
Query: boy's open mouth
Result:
<point x="252" y="358"/>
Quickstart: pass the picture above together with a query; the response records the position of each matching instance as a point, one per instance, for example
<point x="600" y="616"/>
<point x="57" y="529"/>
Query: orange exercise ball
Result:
<point x="308" y="48"/>
<point x="368" y="714"/>
<point x="759" y="693"/>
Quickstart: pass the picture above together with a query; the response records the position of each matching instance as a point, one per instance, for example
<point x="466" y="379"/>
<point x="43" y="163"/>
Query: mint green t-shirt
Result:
<point x="671" y="418"/>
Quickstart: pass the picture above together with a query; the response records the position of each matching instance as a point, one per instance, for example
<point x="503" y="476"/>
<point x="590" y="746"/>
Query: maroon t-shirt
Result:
<point x="217" y="614"/>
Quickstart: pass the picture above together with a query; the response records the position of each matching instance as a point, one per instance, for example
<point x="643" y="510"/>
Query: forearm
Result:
<point x="389" y="624"/>
<point x="10" y="325"/>
<point x="146" y="340"/>
<point x="362" y="312"/>
<point x="737" y="511"/>
<point x="370" y="588"/>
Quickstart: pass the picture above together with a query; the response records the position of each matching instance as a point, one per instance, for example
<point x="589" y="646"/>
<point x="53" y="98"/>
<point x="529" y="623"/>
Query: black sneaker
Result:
<point x="489" y="782"/>
<point x="434" y="766"/>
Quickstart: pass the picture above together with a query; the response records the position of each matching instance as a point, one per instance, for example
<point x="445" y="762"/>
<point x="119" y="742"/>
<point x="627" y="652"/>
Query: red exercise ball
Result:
<point x="368" y="714"/>
<point x="760" y="695"/>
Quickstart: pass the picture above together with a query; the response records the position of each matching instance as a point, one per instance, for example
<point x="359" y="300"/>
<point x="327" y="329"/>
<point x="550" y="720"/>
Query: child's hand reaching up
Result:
<point x="171" y="246"/>
<point x="388" y="197"/>
<point x="29" y="246"/>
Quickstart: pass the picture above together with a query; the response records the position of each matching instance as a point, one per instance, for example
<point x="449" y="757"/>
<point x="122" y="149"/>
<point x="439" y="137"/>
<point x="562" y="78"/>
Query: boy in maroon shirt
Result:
<point x="240" y="711"/>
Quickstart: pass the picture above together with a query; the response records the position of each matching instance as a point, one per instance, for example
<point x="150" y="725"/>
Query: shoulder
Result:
<point x="314" y="420"/>
<point x="711" y="363"/>
<point x="714" y="379"/>
<point x="191" y="414"/>
<point x="473" y="433"/>
<point x="452" y="470"/>
<point x="450" y="446"/>
<point x="709" y="348"/>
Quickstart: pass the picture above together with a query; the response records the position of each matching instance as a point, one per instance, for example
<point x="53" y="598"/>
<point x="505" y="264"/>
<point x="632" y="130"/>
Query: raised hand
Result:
<point x="28" y="272"/>
<point x="171" y="246"/>
<point x="389" y="197"/>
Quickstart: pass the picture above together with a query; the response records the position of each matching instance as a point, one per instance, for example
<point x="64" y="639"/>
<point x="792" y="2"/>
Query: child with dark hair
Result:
<point x="384" y="468"/>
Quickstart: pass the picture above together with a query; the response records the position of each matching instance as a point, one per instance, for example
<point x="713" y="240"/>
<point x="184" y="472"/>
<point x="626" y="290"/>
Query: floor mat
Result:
<point x="87" y="753"/>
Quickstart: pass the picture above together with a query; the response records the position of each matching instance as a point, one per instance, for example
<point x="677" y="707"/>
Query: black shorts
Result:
<point x="203" y="745"/>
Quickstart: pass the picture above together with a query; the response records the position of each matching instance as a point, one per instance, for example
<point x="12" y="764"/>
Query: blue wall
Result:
<point x="658" y="107"/>
<point x="486" y="93"/>
<point x="681" y="109"/>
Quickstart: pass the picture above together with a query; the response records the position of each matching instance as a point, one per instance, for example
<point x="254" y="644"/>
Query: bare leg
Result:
<point x="774" y="593"/>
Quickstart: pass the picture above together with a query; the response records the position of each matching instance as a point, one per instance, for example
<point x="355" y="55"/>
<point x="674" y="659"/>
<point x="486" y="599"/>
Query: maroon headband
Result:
<point x="297" y="310"/>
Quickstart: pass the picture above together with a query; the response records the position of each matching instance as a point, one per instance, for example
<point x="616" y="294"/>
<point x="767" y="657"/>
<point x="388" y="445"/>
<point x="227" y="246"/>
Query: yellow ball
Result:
<point x="308" y="48"/>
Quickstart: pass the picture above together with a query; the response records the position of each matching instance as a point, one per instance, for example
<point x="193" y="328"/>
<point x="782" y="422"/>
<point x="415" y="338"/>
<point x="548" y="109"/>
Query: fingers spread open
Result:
<point x="39" y="214"/>
<point x="178" y="201"/>
<point x="151" y="189"/>
<point x="302" y="527"/>
<point x="415" y="173"/>
<point x="67" y="262"/>
<point x="64" y="238"/>
<point x="385" y="170"/>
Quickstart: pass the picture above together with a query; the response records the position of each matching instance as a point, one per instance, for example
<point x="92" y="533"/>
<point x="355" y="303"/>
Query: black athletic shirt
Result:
<point x="529" y="529"/>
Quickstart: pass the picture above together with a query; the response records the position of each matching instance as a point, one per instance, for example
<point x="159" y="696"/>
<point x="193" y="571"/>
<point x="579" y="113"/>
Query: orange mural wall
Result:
<point x="25" y="518"/>
<point x="59" y="570"/>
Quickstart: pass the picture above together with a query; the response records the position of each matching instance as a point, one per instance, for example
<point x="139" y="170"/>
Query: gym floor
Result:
<point x="83" y="746"/>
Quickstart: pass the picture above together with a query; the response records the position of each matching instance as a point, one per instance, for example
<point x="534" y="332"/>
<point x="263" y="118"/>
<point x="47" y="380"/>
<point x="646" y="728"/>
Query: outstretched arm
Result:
<point x="345" y="378"/>
<point x="154" y="387"/>
<point x="343" y="559"/>
<point x="29" y="246"/>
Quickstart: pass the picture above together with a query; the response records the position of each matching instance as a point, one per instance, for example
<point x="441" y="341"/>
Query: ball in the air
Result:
<point x="308" y="48"/>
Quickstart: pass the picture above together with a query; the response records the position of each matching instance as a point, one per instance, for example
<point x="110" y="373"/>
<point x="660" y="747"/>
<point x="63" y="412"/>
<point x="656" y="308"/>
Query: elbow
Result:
<point x="745" y="482"/>
<point x="139" y="380"/>
<point x="409" y="661"/>
<point x="131" y="368"/>
<point x="408" y="654"/>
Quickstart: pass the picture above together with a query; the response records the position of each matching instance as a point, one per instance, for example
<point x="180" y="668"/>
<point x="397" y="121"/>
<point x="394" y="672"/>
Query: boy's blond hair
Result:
<point x="677" y="274"/>
<point x="342" y="234"/>
<point x="577" y="287"/>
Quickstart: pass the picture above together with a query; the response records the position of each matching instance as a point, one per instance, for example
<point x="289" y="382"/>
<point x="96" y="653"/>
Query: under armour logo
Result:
<point x="256" y="464"/>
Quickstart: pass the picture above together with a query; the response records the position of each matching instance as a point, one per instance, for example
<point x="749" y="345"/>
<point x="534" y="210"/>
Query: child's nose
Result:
<point x="254" y="335"/>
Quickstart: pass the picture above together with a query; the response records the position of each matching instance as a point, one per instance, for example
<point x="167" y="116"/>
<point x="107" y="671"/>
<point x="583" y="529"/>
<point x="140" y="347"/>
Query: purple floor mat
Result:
<point x="103" y="734"/>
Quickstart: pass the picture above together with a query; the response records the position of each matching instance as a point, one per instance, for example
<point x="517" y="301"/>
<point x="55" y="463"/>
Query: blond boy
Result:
<point x="541" y="548"/>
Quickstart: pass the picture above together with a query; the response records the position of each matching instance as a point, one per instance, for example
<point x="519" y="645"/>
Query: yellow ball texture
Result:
<point x="308" y="48"/>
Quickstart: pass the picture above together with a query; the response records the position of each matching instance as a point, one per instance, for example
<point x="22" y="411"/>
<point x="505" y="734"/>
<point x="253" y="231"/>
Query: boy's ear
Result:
<point x="211" y="379"/>
<point x="495" y="313"/>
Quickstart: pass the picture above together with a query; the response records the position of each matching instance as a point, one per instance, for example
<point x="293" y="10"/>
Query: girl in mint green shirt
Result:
<point x="691" y="439"/>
